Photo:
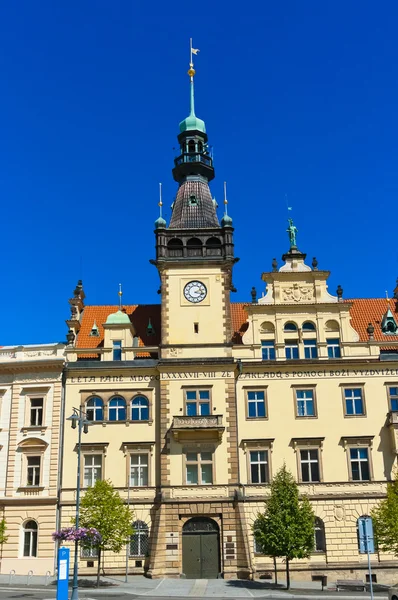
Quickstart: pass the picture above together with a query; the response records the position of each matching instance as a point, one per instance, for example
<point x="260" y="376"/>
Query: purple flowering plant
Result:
<point x="87" y="536"/>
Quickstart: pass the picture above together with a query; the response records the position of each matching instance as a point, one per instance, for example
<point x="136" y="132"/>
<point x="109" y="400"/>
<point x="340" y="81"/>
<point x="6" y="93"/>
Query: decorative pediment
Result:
<point x="33" y="443"/>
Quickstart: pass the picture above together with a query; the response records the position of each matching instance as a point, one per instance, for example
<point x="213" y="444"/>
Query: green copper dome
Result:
<point x="160" y="223"/>
<point x="192" y="123"/>
<point x="226" y="221"/>
<point x="118" y="318"/>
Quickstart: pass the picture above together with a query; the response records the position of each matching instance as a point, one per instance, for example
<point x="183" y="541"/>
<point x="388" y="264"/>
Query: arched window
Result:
<point x="365" y="535"/>
<point x="30" y="538"/>
<point x="95" y="409"/>
<point x="213" y="247"/>
<point x="175" y="247"/>
<point x="117" y="409"/>
<point x="194" y="247"/>
<point x="200" y="146"/>
<point x="290" y="327"/>
<point x="191" y="146"/>
<point x="308" y="326"/>
<point x="319" y="535"/>
<point x="139" y="539"/>
<point x="140" y="409"/>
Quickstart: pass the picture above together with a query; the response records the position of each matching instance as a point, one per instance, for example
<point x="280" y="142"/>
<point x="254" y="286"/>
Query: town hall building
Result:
<point x="195" y="403"/>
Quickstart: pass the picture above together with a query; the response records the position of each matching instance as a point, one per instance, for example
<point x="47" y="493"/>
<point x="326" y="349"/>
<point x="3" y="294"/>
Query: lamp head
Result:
<point x="73" y="419"/>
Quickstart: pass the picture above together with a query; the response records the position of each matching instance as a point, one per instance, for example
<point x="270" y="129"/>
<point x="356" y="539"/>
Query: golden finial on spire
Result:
<point x="160" y="203"/>
<point x="191" y="70"/>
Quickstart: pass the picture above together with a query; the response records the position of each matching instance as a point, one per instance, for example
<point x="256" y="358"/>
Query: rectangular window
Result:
<point x="92" y="469"/>
<point x="199" y="468"/>
<point x="268" y="349"/>
<point x="36" y="412"/>
<point x="359" y="462"/>
<point x="309" y="463"/>
<point x="138" y="470"/>
<point x="33" y="470"/>
<point x="117" y="350"/>
<point x="393" y="397"/>
<point x="257" y="547"/>
<point x="197" y="403"/>
<point x="305" y="403"/>
<point x="310" y="349"/>
<point x="354" y="404"/>
<point x="333" y="346"/>
<point x="259" y="466"/>
<point x="256" y="408"/>
<point x="291" y="350"/>
<point x="89" y="552"/>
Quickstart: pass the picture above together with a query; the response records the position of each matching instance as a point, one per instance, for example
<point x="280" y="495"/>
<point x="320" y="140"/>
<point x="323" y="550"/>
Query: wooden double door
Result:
<point x="201" y="549"/>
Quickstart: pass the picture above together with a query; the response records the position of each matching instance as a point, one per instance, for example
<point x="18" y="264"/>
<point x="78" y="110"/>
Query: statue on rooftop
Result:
<point x="292" y="231"/>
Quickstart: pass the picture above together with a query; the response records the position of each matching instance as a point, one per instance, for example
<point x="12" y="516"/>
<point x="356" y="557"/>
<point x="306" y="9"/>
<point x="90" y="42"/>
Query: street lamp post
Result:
<point x="78" y="419"/>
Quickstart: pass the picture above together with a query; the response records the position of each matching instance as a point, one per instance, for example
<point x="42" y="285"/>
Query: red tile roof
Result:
<point x="372" y="310"/>
<point x="363" y="312"/>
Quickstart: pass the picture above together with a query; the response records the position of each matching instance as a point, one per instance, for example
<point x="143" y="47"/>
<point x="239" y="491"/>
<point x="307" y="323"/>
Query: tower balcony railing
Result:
<point x="193" y="157"/>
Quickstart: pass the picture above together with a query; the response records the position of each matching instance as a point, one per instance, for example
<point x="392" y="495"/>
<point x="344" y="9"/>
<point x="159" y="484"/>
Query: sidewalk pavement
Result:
<point x="184" y="588"/>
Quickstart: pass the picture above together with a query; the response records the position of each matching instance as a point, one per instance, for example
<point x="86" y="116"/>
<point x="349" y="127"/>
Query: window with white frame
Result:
<point x="310" y="349"/>
<point x="309" y="465"/>
<point x="256" y="404"/>
<point x="393" y="397"/>
<point x="197" y="403"/>
<point x="88" y="552"/>
<point x="291" y="349"/>
<point x="359" y="464"/>
<point x="95" y="409"/>
<point x="353" y="402"/>
<point x="139" y="541"/>
<point x="33" y="470"/>
<point x="30" y="535"/>
<point x="333" y="347"/>
<point x="92" y="469"/>
<point x="259" y="472"/>
<point x="36" y="412"/>
<point x="117" y="409"/>
<point x="140" y="409"/>
<point x="139" y="468"/>
<point x="268" y="349"/>
<point x="199" y="468"/>
<point x="305" y="403"/>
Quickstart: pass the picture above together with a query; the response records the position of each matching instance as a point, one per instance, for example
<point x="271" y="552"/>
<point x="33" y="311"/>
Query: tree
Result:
<point x="3" y="529"/>
<point x="103" y="509"/>
<point x="286" y="527"/>
<point x="385" y="519"/>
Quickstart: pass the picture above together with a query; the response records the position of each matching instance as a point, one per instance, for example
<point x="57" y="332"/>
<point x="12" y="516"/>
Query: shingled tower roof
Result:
<point x="194" y="207"/>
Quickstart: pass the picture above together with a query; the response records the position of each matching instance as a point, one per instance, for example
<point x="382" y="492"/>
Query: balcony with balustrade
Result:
<point x="202" y="427"/>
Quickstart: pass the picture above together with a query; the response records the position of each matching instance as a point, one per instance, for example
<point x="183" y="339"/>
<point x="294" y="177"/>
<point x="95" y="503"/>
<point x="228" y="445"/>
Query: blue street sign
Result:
<point x="63" y="574"/>
<point x="365" y="533"/>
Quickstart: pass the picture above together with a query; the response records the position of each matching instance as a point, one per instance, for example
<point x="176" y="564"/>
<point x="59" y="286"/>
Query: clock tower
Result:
<point x="195" y="254"/>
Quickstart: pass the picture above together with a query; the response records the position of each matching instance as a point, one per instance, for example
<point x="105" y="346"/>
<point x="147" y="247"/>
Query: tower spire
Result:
<point x="120" y="293"/>
<point x="225" y="198"/>
<point x="191" y="73"/>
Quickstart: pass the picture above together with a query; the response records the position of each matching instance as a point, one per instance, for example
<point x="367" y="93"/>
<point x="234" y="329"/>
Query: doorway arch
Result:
<point x="201" y="548"/>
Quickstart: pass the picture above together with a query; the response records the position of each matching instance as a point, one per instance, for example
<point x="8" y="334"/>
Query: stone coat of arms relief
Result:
<point x="298" y="293"/>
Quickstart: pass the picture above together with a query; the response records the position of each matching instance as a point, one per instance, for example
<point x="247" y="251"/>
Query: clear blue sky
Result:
<point x="299" y="99"/>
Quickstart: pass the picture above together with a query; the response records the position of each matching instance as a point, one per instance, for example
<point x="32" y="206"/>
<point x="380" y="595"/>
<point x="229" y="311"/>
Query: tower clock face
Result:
<point x="195" y="291"/>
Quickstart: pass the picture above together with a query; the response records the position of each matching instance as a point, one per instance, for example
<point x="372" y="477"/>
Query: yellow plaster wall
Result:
<point x="330" y="422"/>
<point x="183" y="314"/>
